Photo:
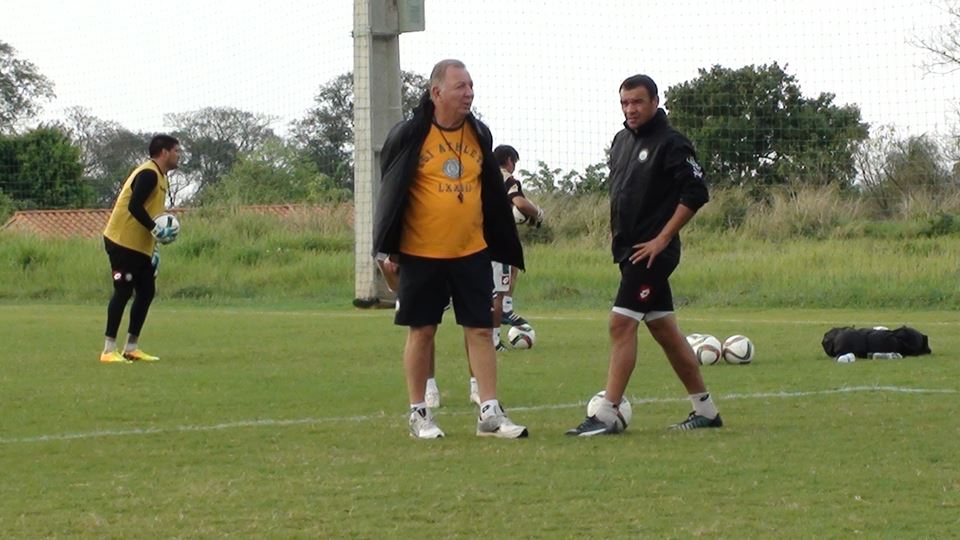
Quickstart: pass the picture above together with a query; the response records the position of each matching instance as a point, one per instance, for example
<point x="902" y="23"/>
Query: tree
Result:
<point x="42" y="169"/>
<point x="212" y="138"/>
<point x="944" y="48"/>
<point x="573" y="182"/>
<point x="892" y="168"/>
<point x="21" y="87"/>
<point x="276" y="173"/>
<point x="326" y="133"/>
<point x="752" y="127"/>
<point x="109" y="152"/>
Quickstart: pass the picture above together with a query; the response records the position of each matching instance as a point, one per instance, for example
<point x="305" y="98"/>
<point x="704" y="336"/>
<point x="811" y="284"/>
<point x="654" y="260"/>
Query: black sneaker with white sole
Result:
<point x="695" y="421"/>
<point x="591" y="426"/>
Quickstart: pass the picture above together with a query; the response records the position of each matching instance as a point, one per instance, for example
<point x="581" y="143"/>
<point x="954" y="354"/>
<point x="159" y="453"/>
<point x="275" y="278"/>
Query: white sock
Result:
<point x="703" y="405"/>
<point x="416" y="407"/>
<point x="489" y="408"/>
<point x="607" y="412"/>
<point x="507" y="304"/>
<point x="131" y="344"/>
<point x="496" y="336"/>
<point x="432" y="385"/>
<point x="474" y="388"/>
<point x="109" y="345"/>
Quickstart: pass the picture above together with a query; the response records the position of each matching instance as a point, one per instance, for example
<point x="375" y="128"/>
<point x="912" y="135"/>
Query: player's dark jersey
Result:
<point x="512" y="185"/>
<point x="652" y="170"/>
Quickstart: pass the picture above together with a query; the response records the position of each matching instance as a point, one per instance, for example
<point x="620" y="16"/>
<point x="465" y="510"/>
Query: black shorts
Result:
<point x="427" y="285"/>
<point x="646" y="290"/>
<point x="128" y="265"/>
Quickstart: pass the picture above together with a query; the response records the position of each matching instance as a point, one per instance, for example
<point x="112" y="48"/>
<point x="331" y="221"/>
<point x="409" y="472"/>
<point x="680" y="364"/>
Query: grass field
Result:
<point x="289" y="423"/>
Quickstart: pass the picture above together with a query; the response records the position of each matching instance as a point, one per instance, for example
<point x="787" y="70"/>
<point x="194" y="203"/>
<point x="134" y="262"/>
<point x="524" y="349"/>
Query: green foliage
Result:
<point x="751" y="126"/>
<point x="212" y="139"/>
<point x="792" y="211"/>
<point x="582" y="219"/>
<point x="110" y="152"/>
<point x="276" y="173"/>
<point x="7" y="207"/>
<point x="789" y="260"/>
<point x="727" y="210"/>
<point x="326" y="132"/>
<point x="549" y="180"/>
<point x="896" y="171"/>
<point x="42" y="169"/>
<point x="942" y="224"/>
<point x="22" y="87"/>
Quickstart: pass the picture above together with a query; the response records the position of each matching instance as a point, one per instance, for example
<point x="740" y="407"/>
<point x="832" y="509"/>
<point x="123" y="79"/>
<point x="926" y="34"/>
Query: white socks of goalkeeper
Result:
<point x="109" y="345"/>
<point x="507" y="304"/>
<point x="703" y="405"/>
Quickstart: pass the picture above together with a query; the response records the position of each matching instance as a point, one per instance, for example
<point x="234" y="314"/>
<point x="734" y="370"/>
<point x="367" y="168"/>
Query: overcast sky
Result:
<point x="546" y="72"/>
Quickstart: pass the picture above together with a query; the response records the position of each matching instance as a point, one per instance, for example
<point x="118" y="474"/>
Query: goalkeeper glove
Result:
<point x="164" y="235"/>
<point x="155" y="261"/>
<point x="539" y="219"/>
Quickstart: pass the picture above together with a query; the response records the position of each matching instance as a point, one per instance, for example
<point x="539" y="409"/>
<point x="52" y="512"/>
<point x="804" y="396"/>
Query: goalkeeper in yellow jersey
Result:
<point x="130" y="240"/>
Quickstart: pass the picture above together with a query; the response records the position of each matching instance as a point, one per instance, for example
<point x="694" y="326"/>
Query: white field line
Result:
<point x="600" y="316"/>
<point x="266" y="422"/>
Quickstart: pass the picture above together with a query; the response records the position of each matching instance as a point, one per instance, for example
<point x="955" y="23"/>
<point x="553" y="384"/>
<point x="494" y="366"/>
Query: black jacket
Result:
<point x="652" y="170"/>
<point x="398" y="168"/>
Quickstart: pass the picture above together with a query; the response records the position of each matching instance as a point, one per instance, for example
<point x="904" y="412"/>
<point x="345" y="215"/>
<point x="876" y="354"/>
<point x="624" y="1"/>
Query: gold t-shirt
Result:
<point x="444" y="216"/>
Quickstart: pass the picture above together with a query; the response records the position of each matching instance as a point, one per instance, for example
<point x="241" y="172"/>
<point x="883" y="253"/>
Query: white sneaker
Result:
<point x="498" y="425"/>
<point x="432" y="397"/>
<point x="422" y="425"/>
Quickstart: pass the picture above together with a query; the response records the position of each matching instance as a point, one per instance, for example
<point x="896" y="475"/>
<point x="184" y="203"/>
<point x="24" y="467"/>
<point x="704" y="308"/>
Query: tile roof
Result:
<point x="90" y="222"/>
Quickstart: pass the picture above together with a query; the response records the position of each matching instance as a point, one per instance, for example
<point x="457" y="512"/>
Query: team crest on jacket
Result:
<point x="644" y="154"/>
<point x="697" y="169"/>
<point x="451" y="168"/>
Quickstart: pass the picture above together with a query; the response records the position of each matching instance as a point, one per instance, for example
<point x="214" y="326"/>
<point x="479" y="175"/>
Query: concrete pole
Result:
<point x="377" y="108"/>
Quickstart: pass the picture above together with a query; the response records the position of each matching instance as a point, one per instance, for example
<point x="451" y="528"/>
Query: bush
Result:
<point x="728" y="209"/>
<point x="7" y="207"/>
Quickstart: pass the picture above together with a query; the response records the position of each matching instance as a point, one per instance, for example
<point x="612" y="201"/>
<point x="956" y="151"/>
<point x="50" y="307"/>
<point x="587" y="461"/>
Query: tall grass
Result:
<point x="812" y="247"/>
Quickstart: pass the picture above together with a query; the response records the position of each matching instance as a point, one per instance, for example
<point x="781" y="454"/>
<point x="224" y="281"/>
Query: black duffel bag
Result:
<point x="864" y="341"/>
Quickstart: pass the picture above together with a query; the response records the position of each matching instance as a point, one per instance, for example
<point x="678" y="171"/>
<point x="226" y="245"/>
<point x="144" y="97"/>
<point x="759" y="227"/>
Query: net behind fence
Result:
<point x="846" y="94"/>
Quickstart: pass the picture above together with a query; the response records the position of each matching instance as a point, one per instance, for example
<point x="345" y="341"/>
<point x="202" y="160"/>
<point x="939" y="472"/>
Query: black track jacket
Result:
<point x="652" y="170"/>
<point x="398" y="167"/>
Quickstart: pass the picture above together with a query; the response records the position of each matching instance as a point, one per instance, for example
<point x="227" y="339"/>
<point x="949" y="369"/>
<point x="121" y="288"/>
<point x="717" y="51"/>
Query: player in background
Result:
<point x="130" y="240"/>
<point x="656" y="186"/>
<point x="508" y="157"/>
<point x="504" y="275"/>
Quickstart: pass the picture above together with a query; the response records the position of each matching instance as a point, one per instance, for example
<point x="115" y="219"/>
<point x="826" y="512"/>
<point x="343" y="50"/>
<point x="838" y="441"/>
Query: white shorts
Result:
<point x="501" y="277"/>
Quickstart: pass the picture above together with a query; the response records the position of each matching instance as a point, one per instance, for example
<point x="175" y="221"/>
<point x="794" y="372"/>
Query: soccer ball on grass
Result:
<point x="706" y="348"/>
<point x="521" y="337"/>
<point x="738" y="349"/>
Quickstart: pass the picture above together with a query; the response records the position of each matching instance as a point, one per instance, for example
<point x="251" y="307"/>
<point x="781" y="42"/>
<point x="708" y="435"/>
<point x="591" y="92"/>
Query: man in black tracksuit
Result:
<point x="656" y="186"/>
